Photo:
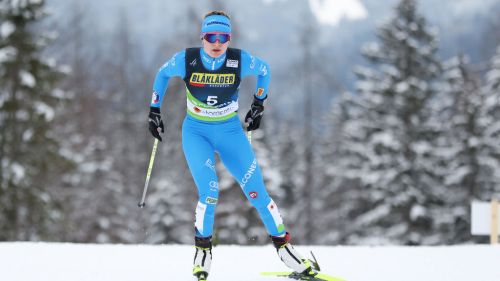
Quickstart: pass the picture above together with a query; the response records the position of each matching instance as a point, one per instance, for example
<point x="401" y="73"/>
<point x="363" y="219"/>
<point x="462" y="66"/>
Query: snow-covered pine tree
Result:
<point x="456" y="114"/>
<point x="342" y="197"/>
<point x="390" y="137"/>
<point x="30" y="157"/>
<point x="490" y="120"/>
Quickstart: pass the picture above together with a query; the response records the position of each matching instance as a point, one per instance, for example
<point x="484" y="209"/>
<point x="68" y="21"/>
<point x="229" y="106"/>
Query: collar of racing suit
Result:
<point x="211" y="63"/>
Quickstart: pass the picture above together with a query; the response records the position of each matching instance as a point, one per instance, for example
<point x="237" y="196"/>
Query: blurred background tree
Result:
<point x="31" y="156"/>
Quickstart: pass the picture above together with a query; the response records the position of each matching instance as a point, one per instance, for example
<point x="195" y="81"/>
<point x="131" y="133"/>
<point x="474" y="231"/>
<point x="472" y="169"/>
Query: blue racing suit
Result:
<point x="212" y="126"/>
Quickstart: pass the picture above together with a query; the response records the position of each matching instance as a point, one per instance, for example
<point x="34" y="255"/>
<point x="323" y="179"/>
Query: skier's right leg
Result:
<point x="200" y="157"/>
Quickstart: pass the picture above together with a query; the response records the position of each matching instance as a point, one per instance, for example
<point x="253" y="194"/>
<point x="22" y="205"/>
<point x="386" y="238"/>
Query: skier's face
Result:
<point x="219" y="45"/>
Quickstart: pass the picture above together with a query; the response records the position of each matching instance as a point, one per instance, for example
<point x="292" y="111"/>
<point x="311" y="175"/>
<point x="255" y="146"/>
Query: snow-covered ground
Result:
<point x="80" y="262"/>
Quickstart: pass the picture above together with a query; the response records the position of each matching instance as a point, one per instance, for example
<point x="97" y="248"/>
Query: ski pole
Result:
<point x="148" y="175"/>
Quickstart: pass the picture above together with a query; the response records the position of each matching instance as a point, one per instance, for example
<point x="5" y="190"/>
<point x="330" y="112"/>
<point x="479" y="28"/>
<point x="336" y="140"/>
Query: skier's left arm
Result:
<point x="251" y="65"/>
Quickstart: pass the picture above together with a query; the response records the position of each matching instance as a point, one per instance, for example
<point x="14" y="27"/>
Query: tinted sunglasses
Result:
<point x="213" y="37"/>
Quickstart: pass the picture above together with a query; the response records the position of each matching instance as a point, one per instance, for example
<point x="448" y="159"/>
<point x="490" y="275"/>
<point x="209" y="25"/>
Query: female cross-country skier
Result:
<point x="212" y="75"/>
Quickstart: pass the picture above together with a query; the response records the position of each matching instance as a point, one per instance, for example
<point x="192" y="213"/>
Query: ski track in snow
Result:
<point x="27" y="261"/>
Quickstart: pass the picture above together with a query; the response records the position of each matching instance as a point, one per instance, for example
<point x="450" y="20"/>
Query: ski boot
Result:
<point x="302" y="267"/>
<point x="202" y="257"/>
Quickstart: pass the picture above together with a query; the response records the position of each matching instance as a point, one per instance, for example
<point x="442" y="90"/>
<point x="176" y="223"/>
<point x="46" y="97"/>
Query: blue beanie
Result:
<point x="216" y="23"/>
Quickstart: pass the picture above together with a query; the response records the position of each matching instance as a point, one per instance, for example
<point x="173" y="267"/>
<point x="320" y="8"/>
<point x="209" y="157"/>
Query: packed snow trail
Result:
<point x="90" y="262"/>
